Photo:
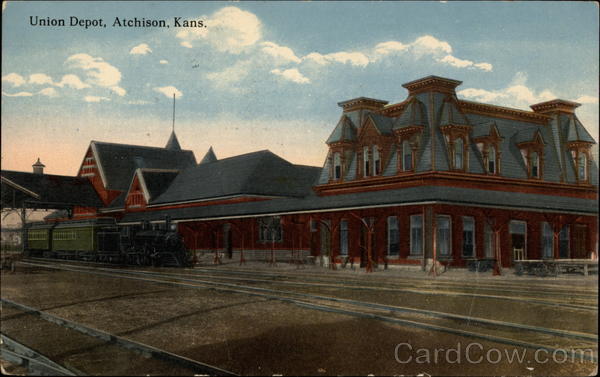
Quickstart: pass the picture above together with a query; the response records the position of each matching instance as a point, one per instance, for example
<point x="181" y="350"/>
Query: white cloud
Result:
<point x="516" y="94"/>
<point x="456" y="62"/>
<point x="237" y="72"/>
<point x="40" y="79"/>
<point x="19" y="94"/>
<point x="72" y="81"/>
<point x="229" y="29"/>
<point x="587" y="99"/>
<point x="14" y="79"/>
<point x="98" y="71"/>
<point x="281" y="54"/>
<point x="164" y="62"/>
<point x="389" y="47"/>
<point x="141" y="49"/>
<point x="95" y="99"/>
<point x="168" y="91"/>
<point x="49" y="92"/>
<point x="138" y="102"/>
<point x="291" y="74"/>
<point x="429" y="45"/>
<point x="118" y="90"/>
<point x="353" y="58"/>
<point x="484" y="66"/>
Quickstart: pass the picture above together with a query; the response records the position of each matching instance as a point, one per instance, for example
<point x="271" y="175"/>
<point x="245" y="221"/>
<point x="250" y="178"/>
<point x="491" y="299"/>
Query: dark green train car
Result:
<point x="39" y="237"/>
<point x="83" y="238"/>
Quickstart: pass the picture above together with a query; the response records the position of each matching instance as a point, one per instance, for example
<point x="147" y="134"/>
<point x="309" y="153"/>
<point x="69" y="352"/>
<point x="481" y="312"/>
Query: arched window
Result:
<point x="582" y="167"/>
<point x="491" y="165"/>
<point x="458" y="153"/>
<point x="337" y="166"/>
<point x="376" y="160"/>
<point x="366" y="162"/>
<point x="535" y="165"/>
<point x="406" y="156"/>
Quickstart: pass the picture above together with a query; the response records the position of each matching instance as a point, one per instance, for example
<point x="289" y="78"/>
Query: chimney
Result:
<point x="38" y="167"/>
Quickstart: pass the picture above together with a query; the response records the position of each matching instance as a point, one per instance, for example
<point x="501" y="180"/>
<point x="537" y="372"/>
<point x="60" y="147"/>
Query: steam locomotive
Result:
<point x="102" y="240"/>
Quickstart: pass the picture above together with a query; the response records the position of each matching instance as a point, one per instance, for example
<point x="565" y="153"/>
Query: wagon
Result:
<point x="554" y="267"/>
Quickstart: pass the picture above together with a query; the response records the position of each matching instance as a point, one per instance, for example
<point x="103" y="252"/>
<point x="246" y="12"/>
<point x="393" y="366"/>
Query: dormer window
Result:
<point x="407" y="156"/>
<point x="459" y="154"/>
<point x="366" y="162"/>
<point x="491" y="160"/>
<point x="534" y="163"/>
<point x="337" y="166"/>
<point x="376" y="160"/>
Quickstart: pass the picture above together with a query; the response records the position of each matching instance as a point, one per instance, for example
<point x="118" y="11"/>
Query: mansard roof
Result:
<point x="258" y="173"/>
<point x="383" y="124"/>
<point x="344" y="131"/>
<point x="451" y="114"/>
<point x="577" y="132"/>
<point x="413" y="115"/>
<point x="117" y="162"/>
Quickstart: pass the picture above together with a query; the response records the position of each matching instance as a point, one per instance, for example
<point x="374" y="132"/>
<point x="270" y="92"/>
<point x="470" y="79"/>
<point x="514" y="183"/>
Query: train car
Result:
<point x="39" y="239"/>
<point x="95" y="239"/>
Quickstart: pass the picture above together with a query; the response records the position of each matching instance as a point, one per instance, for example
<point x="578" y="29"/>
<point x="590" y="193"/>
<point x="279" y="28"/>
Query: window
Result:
<point x="458" y="153"/>
<point x="313" y="226"/>
<point x="518" y="239"/>
<point x="376" y="160"/>
<point x="407" y="164"/>
<point x="468" y="237"/>
<point x="563" y="242"/>
<point x="491" y="165"/>
<point x="547" y="246"/>
<point x="416" y="234"/>
<point x="337" y="166"/>
<point x="270" y="230"/>
<point x="443" y="235"/>
<point x="344" y="237"/>
<point x="582" y="167"/>
<point x="393" y="236"/>
<point x="488" y="240"/>
<point x="535" y="164"/>
<point x="37" y="235"/>
<point x="366" y="162"/>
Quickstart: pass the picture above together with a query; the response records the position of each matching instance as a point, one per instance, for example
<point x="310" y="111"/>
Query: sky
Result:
<point x="269" y="75"/>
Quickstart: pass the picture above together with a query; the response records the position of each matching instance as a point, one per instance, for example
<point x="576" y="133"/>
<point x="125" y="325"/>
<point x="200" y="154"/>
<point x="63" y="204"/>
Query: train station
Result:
<point x="432" y="180"/>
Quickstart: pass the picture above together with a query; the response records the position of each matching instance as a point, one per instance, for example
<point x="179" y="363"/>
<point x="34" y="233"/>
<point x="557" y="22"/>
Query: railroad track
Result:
<point x="509" y="333"/>
<point x="563" y="298"/>
<point x="169" y="362"/>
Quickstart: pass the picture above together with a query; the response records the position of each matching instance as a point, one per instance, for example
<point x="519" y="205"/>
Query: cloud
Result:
<point x="40" y="79"/>
<point x="516" y="94"/>
<point x="484" y="66"/>
<point x="587" y="99"/>
<point x="456" y="62"/>
<point x="98" y="71"/>
<point x="291" y="74"/>
<point x="229" y="29"/>
<point x="141" y="49"/>
<point x="138" y="102"/>
<point x="14" y="79"/>
<point x="388" y="48"/>
<point x="164" y="61"/>
<point x="429" y="45"/>
<point x="168" y="91"/>
<point x="118" y="90"/>
<point x="95" y="99"/>
<point x="353" y="58"/>
<point x="72" y="81"/>
<point x="225" y="78"/>
<point x="281" y="54"/>
<point x="19" y="94"/>
<point x="49" y="92"/>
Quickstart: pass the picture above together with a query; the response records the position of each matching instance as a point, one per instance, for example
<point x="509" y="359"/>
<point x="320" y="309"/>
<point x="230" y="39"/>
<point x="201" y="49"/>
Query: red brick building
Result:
<point x="433" y="176"/>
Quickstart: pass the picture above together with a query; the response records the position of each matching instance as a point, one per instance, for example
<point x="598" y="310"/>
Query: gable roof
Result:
<point x="117" y="162"/>
<point x="382" y="123"/>
<point x="451" y="114"/>
<point x="343" y="131"/>
<point x="257" y="173"/>
<point x="49" y="188"/>
<point x="413" y="115"/>
<point x="577" y="132"/>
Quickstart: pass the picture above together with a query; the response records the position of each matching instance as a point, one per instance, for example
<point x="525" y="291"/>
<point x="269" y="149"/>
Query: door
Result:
<point x="227" y="244"/>
<point x="579" y="249"/>
<point x="518" y="239"/>
<point x="325" y="242"/>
